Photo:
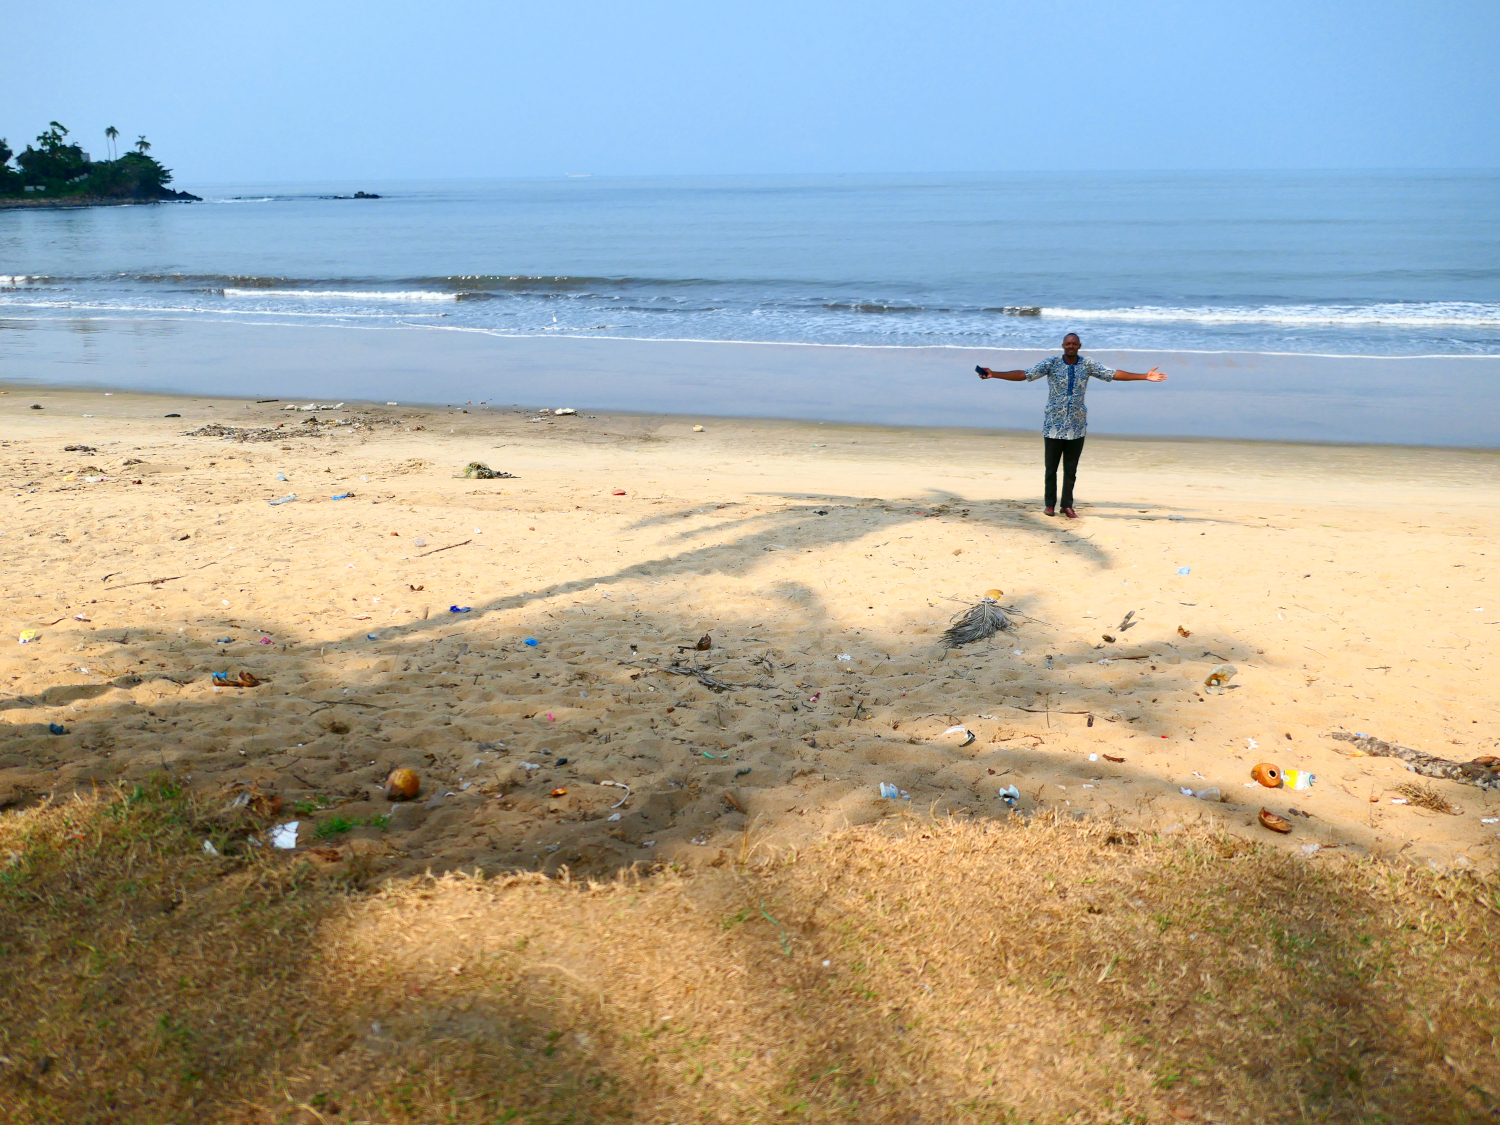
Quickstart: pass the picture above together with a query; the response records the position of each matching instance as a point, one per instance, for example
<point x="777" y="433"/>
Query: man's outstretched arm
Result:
<point x="1013" y="376"/>
<point x="1153" y="376"/>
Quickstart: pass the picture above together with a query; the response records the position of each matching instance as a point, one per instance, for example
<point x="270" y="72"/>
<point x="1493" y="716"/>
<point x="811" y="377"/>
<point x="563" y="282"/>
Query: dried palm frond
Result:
<point x="977" y="623"/>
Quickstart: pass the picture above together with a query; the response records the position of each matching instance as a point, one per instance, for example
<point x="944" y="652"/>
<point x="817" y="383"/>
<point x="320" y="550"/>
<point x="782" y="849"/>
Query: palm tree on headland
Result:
<point x="110" y="134"/>
<point x="143" y="146"/>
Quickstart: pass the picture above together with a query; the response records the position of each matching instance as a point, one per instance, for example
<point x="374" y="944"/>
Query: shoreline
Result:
<point x="1234" y="395"/>
<point x="88" y="392"/>
<point x="66" y="202"/>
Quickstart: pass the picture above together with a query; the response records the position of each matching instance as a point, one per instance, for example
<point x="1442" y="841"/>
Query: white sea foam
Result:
<point x="345" y="294"/>
<point x="104" y="306"/>
<point x="19" y="279"/>
<point x="1436" y="314"/>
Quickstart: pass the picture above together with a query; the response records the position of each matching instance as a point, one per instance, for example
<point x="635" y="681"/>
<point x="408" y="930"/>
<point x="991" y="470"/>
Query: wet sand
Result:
<point x="1348" y="585"/>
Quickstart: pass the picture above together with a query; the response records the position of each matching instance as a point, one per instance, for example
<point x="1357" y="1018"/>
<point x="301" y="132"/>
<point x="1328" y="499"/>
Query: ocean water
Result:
<point x="1325" y="306"/>
<point x="1324" y="263"/>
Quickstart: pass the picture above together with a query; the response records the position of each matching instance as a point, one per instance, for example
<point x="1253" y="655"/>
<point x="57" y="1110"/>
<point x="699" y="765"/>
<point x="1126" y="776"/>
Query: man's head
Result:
<point x="1071" y="344"/>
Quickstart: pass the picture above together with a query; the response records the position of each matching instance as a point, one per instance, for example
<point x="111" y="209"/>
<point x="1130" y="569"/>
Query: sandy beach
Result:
<point x="1346" y="584"/>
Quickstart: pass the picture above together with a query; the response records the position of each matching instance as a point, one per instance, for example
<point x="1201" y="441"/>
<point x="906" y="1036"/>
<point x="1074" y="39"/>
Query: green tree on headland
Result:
<point x="10" y="179"/>
<point x="110" y="135"/>
<point x="53" y="168"/>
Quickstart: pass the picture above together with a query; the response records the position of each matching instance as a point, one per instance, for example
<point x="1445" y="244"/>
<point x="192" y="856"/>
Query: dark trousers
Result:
<point x="1066" y="450"/>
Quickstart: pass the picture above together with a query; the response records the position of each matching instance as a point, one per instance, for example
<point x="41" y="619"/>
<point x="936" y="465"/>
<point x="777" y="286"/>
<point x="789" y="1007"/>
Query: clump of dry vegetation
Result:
<point x="1425" y="796"/>
<point x="974" y="972"/>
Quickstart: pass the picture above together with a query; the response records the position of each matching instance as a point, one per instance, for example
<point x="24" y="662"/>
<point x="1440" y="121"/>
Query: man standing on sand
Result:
<point x="1066" y="419"/>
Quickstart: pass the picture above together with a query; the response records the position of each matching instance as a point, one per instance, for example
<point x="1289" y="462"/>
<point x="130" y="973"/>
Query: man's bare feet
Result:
<point x="1050" y="511"/>
<point x="1070" y="513"/>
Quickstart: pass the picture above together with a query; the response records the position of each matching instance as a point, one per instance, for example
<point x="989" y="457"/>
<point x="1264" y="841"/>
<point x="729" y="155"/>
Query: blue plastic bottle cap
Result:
<point x="532" y="641"/>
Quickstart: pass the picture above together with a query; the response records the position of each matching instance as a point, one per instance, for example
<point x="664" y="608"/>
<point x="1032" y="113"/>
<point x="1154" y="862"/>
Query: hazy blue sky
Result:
<point x="274" y="90"/>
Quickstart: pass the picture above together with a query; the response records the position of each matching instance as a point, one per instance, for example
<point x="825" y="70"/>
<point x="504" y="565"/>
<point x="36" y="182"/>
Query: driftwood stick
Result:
<point x="1470" y="773"/>
<point x="707" y="680"/>
<point x="147" y="582"/>
<point x="449" y="547"/>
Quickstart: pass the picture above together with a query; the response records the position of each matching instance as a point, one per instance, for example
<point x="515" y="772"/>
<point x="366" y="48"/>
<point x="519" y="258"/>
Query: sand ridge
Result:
<point x="1347" y="585"/>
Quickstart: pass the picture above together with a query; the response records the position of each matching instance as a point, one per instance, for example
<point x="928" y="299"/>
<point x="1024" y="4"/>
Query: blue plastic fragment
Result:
<point x="460" y="609"/>
<point x="1184" y="570"/>
<point x="372" y="636"/>
<point x="532" y="641"/>
<point x="342" y="496"/>
<point x="224" y="641"/>
<point x="889" y="791"/>
<point x="224" y="676"/>
<point x="57" y="728"/>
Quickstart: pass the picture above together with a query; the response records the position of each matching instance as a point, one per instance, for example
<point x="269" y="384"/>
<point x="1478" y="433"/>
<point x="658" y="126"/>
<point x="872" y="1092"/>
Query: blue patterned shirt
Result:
<point x="1067" y="417"/>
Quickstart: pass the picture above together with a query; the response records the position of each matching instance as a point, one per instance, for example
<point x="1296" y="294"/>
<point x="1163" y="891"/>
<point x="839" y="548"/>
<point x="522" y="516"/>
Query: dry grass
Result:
<point x="1425" y="796"/>
<point x="974" y="972"/>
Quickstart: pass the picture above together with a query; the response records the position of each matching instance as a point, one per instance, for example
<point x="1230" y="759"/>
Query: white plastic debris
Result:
<point x="569" y="410"/>
<point x="1219" y="677"/>
<point x="287" y="499"/>
<point x="209" y="849"/>
<point x="843" y="656"/>
<point x="1010" y="795"/>
<point x="285" y="835"/>
<point x="1253" y="744"/>
<point x="955" y="730"/>
<point x="1311" y="849"/>
<point x="615" y="816"/>
<point x="1489" y="820"/>
<point x="1093" y="757"/>
<point x="889" y="791"/>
